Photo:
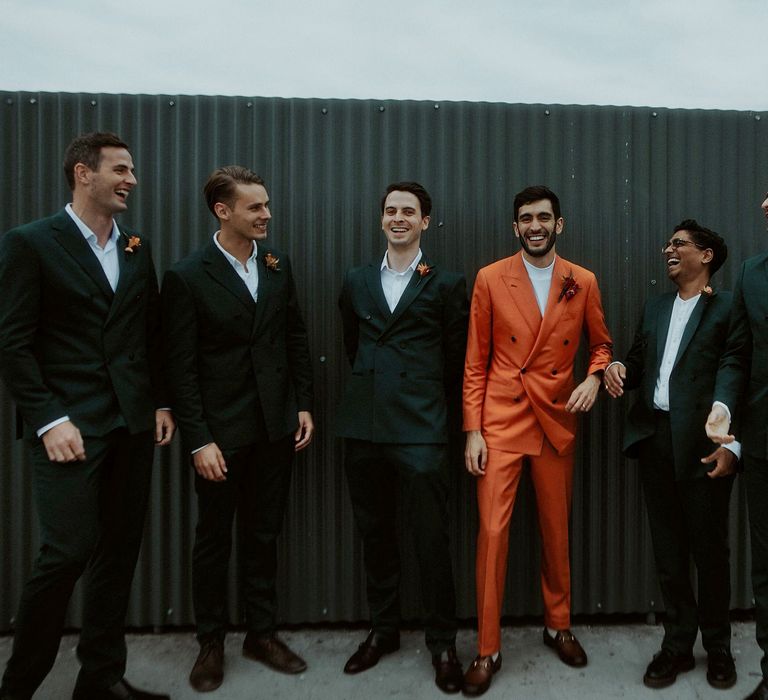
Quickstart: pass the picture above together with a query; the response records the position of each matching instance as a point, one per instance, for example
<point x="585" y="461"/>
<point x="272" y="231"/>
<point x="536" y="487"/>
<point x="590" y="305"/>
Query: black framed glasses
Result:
<point x="679" y="243"/>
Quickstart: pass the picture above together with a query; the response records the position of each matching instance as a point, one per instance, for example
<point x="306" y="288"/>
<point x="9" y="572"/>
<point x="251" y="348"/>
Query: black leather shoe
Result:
<point x="370" y="651"/>
<point x="721" y="669"/>
<point x="122" y="690"/>
<point x="760" y="693"/>
<point x="663" y="670"/>
<point x="208" y="672"/>
<point x="567" y="647"/>
<point x="274" y="653"/>
<point x="449" y="676"/>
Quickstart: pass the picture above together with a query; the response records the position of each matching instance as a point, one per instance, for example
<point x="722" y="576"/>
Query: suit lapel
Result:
<point x="128" y="262"/>
<point x="555" y="305"/>
<point x="219" y="268"/>
<point x="373" y="282"/>
<point x="693" y="323"/>
<point x="68" y="236"/>
<point x="518" y="284"/>
<point x="267" y="283"/>
<point x="662" y="324"/>
<point x="416" y="285"/>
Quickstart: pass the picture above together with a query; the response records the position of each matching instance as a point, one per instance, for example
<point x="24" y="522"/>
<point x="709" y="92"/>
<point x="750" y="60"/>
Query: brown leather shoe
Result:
<point x="478" y="677"/>
<point x="208" y="672"/>
<point x="567" y="647"/>
<point x="273" y="652"/>
<point x="449" y="676"/>
<point x="370" y="651"/>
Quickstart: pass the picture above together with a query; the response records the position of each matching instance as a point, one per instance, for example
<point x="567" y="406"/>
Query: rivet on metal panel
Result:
<point x="169" y="612"/>
<point x="324" y="110"/>
<point x="439" y="224"/>
<point x="654" y="114"/>
<point x="757" y="117"/>
<point x="653" y="603"/>
<point x="599" y="606"/>
<point x="93" y="103"/>
<point x="546" y="111"/>
<point x="9" y="101"/>
<point x="171" y="103"/>
<point x="381" y="108"/>
<point x="325" y="611"/>
<point x="653" y="281"/>
<point x="437" y="106"/>
<point x="249" y="104"/>
<point x="322" y="358"/>
<point x="32" y="101"/>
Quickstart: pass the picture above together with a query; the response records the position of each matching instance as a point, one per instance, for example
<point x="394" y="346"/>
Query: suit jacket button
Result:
<point x="368" y="317"/>
<point x="513" y="339"/>
<point x="566" y="341"/>
<point x="517" y="398"/>
<point x="554" y="400"/>
<point x="523" y="370"/>
<point x="554" y="371"/>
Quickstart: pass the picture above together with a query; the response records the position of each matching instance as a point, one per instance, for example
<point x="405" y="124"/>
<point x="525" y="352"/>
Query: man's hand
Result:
<point x="475" y="453"/>
<point x="725" y="462"/>
<point x="584" y="395"/>
<point x="209" y="463"/>
<point x="614" y="380"/>
<point x="305" y="432"/>
<point x="717" y="426"/>
<point x="63" y="443"/>
<point x="165" y="426"/>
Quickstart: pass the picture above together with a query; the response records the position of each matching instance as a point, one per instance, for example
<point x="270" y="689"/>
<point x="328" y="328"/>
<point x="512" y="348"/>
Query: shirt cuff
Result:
<point x="734" y="447"/>
<point x="50" y="425"/>
<point x="201" y="448"/>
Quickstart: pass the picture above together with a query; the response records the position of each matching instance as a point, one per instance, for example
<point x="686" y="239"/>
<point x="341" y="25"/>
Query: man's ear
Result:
<point x="81" y="172"/>
<point x="221" y="210"/>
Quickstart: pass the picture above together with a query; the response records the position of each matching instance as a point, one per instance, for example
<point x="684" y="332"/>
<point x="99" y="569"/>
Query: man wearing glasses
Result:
<point x="673" y="361"/>
<point x="742" y="383"/>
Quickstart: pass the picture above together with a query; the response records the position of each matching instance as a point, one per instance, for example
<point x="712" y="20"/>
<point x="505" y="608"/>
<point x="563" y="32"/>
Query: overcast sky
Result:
<point x="660" y="53"/>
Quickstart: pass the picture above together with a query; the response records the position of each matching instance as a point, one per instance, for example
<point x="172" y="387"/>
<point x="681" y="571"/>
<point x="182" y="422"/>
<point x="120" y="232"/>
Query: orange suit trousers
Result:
<point x="552" y="477"/>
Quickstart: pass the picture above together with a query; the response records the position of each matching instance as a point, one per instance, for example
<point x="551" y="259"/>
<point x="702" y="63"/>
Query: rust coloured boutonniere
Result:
<point x="569" y="288"/>
<point x="423" y="269"/>
<point x="707" y="291"/>
<point x="133" y="243"/>
<point x="271" y="262"/>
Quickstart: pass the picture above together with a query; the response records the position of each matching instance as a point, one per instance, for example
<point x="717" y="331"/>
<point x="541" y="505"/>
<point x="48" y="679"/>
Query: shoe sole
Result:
<point x="368" y="668"/>
<point x="666" y="682"/>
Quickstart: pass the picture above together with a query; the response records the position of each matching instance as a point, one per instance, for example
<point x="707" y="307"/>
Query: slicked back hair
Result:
<point x="222" y="184"/>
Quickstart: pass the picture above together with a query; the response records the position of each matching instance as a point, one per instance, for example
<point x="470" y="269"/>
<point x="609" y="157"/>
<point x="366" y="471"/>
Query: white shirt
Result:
<point x="541" y="279"/>
<point x="107" y="257"/>
<point x="393" y="283"/>
<point x="249" y="272"/>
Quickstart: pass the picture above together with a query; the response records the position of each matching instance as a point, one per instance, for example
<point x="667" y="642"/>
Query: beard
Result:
<point x="541" y="252"/>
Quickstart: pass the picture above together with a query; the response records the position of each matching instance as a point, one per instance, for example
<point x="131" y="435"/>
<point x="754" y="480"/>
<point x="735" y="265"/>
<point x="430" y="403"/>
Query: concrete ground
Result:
<point x="618" y="655"/>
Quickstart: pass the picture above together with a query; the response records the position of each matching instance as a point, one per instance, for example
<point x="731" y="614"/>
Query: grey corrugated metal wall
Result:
<point x="625" y="176"/>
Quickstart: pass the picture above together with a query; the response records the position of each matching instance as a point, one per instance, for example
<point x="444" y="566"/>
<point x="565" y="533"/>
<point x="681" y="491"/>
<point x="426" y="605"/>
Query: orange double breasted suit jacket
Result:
<point x="518" y="371"/>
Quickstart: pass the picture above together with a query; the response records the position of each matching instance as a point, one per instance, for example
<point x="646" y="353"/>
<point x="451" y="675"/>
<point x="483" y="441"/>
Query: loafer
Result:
<point x="478" y="677"/>
<point x="370" y="651"/>
<point x="663" y="670"/>
<point x="721" y="669"/>
<point x="121" y="690"/>
<point x="208" y="672"/>
<point x="273" y="652"/>
<point x="449" y="676"/>
<point x="567" y="647"/>
<point x="760" y="693"/>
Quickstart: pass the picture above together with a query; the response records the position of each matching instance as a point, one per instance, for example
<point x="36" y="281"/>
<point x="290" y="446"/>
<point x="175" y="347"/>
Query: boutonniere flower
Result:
<point x="133" y="243"/>
<point x="271" y="262"/>
<point x="569" y="288"/>
<point x="706" y="291"/>
<point x="423" y="269"/>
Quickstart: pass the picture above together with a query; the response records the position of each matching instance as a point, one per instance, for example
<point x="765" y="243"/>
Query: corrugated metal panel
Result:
<point x="625" y="175"/>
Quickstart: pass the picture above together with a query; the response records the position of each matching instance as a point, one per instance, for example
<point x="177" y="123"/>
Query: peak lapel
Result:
<point x="520" y="289"/>
<point x="68" y="236"/>
<point x="267" y="284"/>
<point x="128" y="263"/>
<point x="218" y="267"/>
<point x="555" y="305"/>
<point x="373" y="282"/>
<point x="416" y="285"/>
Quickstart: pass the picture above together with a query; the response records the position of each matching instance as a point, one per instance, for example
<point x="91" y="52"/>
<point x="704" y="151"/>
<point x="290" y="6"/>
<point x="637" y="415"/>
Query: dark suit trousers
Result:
<point x="382" y="476"/>
<point x="756" y="475"/>
<point x="257" y="484"/>
<point x="91" y="520"/>
<point x="687" y="517"/>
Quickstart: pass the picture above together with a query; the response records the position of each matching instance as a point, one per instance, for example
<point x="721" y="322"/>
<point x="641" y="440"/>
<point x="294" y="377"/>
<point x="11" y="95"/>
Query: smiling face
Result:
<point x="402" y="221"/>
<point x="247" y="216"/>
<point x="685" y="259"/>
<point x="537" y="229"/>
<point x="107" y="188"/>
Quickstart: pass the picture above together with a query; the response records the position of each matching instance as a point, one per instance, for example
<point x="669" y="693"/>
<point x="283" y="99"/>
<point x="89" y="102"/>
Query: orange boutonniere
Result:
<point x="423" y="269"/>
<point x="133" y="243"/>
<point x="707" y="291"/>
<point x="271" y="262"/>
<point x="569" y="288"/>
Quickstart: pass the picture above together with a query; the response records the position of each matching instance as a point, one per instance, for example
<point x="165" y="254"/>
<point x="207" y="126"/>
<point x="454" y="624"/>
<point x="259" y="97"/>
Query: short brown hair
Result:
<point x="221" y="184"/>
<point x="86" y="149"/>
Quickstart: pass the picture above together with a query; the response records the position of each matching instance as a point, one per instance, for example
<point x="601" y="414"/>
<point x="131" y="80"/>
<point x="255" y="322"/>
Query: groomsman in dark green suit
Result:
<point x="673" y="362"/>
<point x="404" y="323"/>
<point x="742" y="389"/>
<point x="79" y="321"/>
<point x="241" y="383"/>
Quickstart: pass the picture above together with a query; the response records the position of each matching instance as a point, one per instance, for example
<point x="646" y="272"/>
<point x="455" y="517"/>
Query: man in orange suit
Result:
<point x="520" y="404"/>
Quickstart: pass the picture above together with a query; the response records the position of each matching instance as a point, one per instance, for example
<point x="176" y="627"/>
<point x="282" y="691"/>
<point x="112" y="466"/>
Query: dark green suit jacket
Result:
<point x="742" y="381"/>
<point x="691" y="385"/>
<point x="404" y="363"/>
<point x="229" y="357"/>
<point x="69" y="345"/>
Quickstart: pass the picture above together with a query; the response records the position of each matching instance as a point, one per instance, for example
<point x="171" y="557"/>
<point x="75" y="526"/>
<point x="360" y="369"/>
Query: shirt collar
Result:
<point x="232" y="259"/>
<point x="411" y="267"/>
<point x="88" y="234"/>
